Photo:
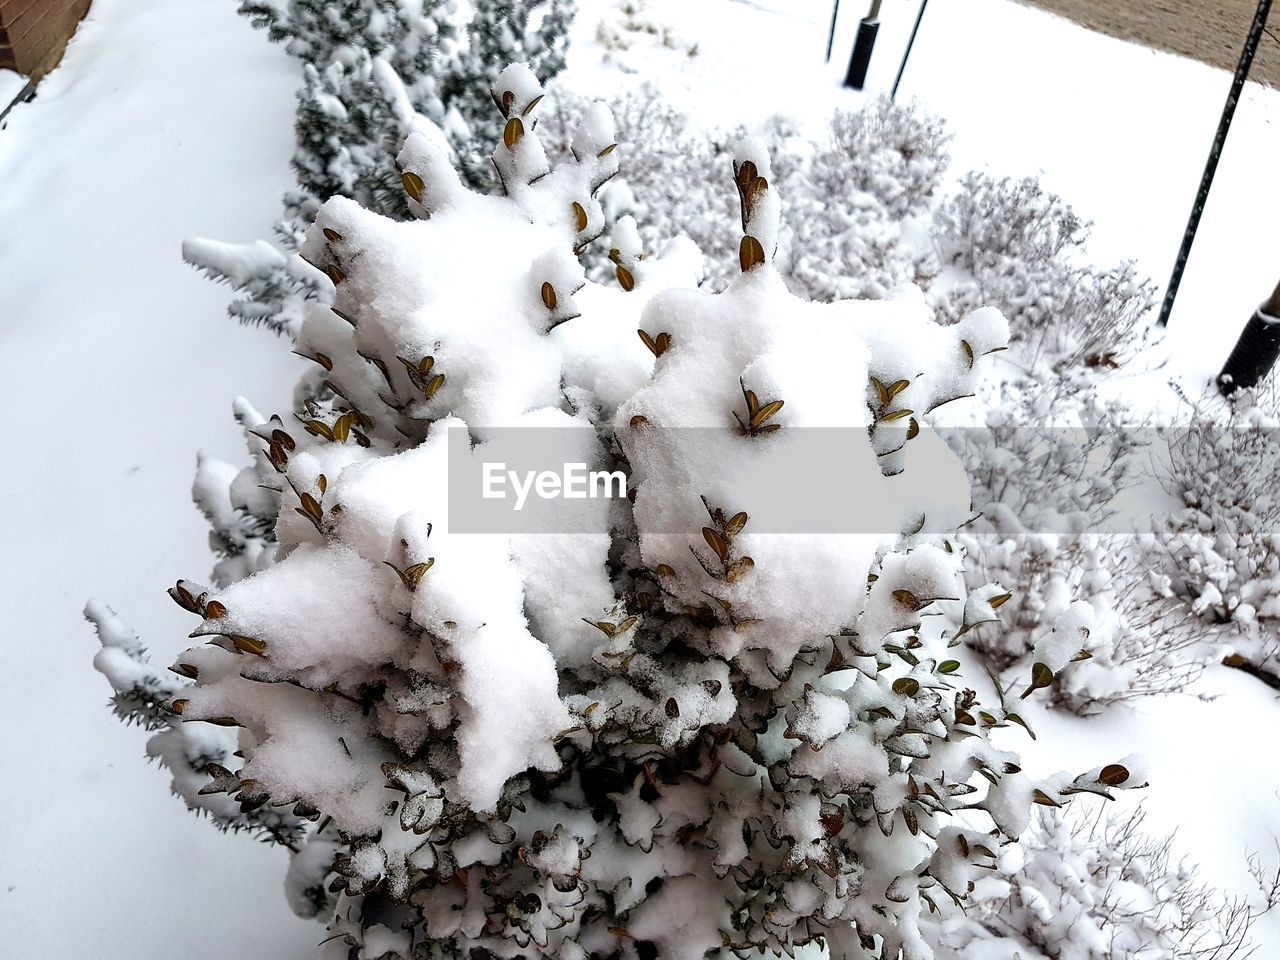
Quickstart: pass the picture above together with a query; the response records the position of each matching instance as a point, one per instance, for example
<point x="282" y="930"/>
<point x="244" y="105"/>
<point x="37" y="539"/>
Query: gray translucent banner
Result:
<point x="843" y="481"/>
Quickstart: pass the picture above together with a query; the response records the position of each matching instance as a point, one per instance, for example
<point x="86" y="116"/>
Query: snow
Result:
<point x="126" y="152"/>
<point x="107" y="512"/>
<point x="11" y="84"/>
<point x="279" y="607"/>
<point x="1069" y="636"/>
<point x="1124" y="138"/>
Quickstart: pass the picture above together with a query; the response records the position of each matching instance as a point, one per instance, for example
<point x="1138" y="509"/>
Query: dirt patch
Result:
<point x="1213" y="31"/>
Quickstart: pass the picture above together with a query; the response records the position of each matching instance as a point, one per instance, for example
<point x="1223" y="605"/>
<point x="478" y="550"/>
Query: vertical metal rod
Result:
<point x="911" y="43"/>
<point x="1215" y="154"/>
<point x="831" y="34"/>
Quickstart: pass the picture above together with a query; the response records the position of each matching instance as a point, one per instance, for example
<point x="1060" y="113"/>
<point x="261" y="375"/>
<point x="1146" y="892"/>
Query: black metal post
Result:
<point x="860" y="60"/>
<point x="1215" y="154"/>
<point x="831" y="34"/>
<point x="1256" y="351"/>
<point x="910" y="43"/>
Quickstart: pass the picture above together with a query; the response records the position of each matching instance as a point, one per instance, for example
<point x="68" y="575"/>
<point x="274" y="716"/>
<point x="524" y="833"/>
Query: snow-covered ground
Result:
<point x="118" y="360"/>
<point x="143" y="137"/>
<point x="11" y="84"/>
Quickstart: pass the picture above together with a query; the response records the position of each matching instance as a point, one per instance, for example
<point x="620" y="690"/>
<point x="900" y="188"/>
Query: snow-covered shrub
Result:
<point x="1046" y="463"/>
<point x="850" y="250"/>
<point x="878" y="167"/>
<point x="681" y="734"/>
<point x="1050" y="457"/>
<point x="1088" y="596"/>
<point x="370" y="69"/>
<point x="841" y="235"/>
<point x="322" y="31"/>
<point x="1047" y="467"/>
<point x="500" y="32"/>
<point x="671" y="179"/>
<point x="345" y="120"/>
<point x="1020" y="244"/>
<point x="633" y="25"/>
<point x="894" y="152"/>
<point x="1096" y="888"/>
<point x="346" y="125"/>
<point x="1221" y="553"/>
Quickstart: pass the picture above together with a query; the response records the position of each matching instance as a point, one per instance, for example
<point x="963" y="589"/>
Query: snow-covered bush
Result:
<point x="1048" y="465"/>
<point x="671" y="179"/>
<point x="1050" y="457"/>
<point x="1087" y="595"/>
<point x="633" y="25"/>
<point x="842" y="234"/>
<point x="1097" y="888"/>
<point x="499" y="32"/>
<point x="1019" y="243"/>
<point x="346" y="125"/>
<point x="370" y="69"/>
<point x="1221" y="553"/>
<point x="685" y="733"/>
<point x="894" y="152"/>
<point x="1143" y="646"/>
<point x="880" y="166"/>
<point x="856" y="224"/>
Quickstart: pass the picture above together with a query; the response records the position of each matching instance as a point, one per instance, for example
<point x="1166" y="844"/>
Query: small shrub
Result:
<point x="1048" y="468"/>
<point x="1021" y="245"/>
<point x="1098" y="888"/>
<point x="1221" y="552"/>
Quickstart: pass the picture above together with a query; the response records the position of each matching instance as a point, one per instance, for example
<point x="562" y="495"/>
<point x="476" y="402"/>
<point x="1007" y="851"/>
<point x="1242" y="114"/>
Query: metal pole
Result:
<point x="910" y="43"/>
<point x="831" y="34"/>
<point x="1215" y="154"/>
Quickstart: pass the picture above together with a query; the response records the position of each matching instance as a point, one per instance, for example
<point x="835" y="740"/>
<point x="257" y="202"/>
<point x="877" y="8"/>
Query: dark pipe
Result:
<point x="1256" y="351"/>
<point x="860" y="61"/>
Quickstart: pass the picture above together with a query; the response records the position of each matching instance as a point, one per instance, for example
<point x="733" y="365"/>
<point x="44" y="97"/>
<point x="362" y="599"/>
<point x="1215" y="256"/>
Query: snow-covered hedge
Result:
<point x="347" y="124"/>
<point x="679" y="735"/>
<point x="671" y="179"/>
<point x="858" y="194"/>
<point x="868" y="213"/>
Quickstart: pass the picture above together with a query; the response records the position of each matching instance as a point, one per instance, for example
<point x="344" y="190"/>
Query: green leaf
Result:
<point x="1041" y="677"/>
<point x="906" y="686"/>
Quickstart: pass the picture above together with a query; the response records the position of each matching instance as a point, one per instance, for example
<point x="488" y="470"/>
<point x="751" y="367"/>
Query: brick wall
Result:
<point x="33" y="33"/>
